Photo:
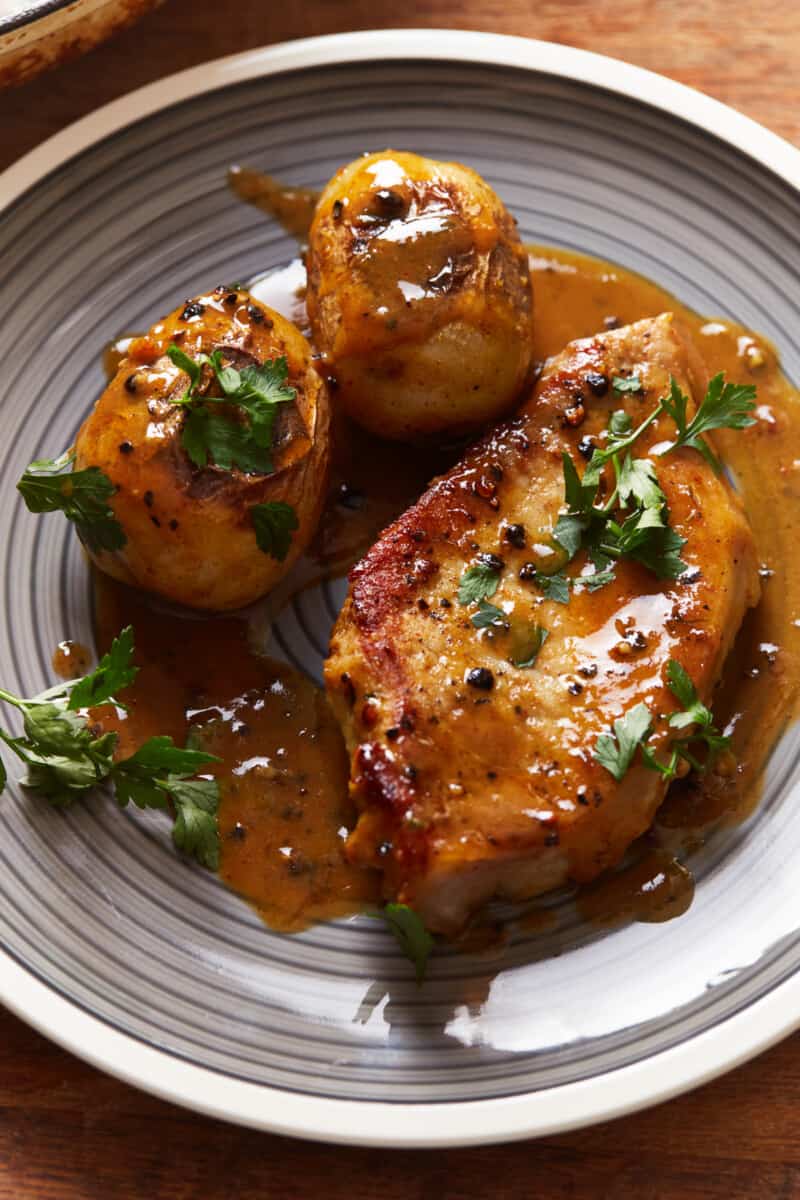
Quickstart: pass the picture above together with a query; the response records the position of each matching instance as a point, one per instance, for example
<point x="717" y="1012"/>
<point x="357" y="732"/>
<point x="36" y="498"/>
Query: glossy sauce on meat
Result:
<point x="574" y="297"/>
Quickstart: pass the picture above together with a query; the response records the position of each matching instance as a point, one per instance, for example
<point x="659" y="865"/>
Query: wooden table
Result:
<point x="67" y="1131"/>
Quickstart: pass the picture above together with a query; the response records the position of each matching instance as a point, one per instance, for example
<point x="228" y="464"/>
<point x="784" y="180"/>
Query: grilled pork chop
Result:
<point x="467" y="791"/>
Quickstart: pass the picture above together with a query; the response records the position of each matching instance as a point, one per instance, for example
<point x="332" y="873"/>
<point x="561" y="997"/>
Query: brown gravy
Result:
<point x="284" y="805"/>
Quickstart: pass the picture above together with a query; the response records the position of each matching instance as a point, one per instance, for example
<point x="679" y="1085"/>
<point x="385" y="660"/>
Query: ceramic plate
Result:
<point x="151" y="969"/>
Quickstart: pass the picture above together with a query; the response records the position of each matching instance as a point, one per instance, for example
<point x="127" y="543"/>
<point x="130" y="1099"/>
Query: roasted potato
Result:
<point x="419" y="296"/>
<point x="190" y="528"/>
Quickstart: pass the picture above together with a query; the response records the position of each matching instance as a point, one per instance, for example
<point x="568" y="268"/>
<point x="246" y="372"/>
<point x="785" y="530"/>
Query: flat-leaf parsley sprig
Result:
<point x="257" y="391"/>
<point x="65" y="757"/>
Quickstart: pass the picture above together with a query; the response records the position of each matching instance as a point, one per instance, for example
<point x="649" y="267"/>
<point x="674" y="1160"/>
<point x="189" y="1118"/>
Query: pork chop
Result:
<point x="474" y="777"/>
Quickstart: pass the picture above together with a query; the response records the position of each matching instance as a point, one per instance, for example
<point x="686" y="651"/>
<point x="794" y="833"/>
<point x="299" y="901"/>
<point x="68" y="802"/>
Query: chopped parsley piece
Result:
<point x="82" y="496"/>
<point x="412" y="936"/>
<point x="527" y="643"/>
<point x="615" y="751"/>
<point x="222" y="438"/>
<point x="554" y="587"/>
<point x="274" y="524"/>
<point x="479" y="582"/>
<point x="725" y="406"/>
<point x="623" y="384"/>
<point x="65" y="760"/>
<point x="489" y="616"/>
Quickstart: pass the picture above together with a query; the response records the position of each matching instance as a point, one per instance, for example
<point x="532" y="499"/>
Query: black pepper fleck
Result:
<point x="586" y="447"/>
<point x="126" y="448"/>
<point x="515" y="535"/>
<point x="193" y="309"/>
<point x="148" y="499"/>
<point x="393" y="733"/>
<point x="445" y="603"/>
<point x="589" y="671"/>
<point x="574" y="688"/>
<point x="492" y="560"/>
<point x="130" y="383"/>
<point x="480" y="677"/>
<point x="173" y="524"/>
<point x="596" y="382"/>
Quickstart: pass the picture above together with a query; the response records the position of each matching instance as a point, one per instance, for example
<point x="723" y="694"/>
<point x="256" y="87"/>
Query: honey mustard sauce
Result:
<point x="284" y="809"/>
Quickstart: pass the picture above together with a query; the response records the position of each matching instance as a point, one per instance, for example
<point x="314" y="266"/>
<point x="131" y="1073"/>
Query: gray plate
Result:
<point x="153" y="969"/>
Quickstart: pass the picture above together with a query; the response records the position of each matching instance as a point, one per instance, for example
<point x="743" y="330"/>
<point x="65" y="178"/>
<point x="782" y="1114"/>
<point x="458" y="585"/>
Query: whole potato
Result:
<point x="190" y="528"/>
<point x="419" y="296"/>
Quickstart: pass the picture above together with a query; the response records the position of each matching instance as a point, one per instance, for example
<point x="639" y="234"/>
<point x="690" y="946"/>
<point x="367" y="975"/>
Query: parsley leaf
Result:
<point x="209" y="436"/>
<point x="82" y="496"/>
<point x="479" y="582"/>
<point x="623" y="384"/>
<point x="65" y="760"/>
<point x="114" y="672"/>
<point x="274" y="524"/>
<point x="412" y="936"/>
<point x="256" y="390"/>
<point x="615" y="752"/>
<point x="196" y="831"/>
<point x="694" y="713"/>
<point x="489" y="616"/>
<point x="638" y="484"/>
<point x="527" y="643"/>
<point x="725" y="406"/>
<point x="554" y="587"/>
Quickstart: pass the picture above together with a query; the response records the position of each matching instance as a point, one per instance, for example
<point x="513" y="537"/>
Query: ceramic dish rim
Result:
<point x="371" y="1123"/>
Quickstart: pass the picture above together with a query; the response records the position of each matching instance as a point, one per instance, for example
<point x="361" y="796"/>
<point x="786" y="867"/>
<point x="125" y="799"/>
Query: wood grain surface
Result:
<point x="67" y="1131"/>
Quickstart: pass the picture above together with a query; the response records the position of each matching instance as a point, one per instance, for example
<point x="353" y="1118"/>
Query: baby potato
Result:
<point x="419" y="296"/>
<point x="190" y="527"/>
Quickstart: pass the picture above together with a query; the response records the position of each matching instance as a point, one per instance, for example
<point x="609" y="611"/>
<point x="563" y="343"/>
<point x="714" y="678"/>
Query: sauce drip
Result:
<point x="654" y="888"/>
<point x="71" y="659"/>
<point x="293" y="207"/>
<point x="284" y="807"/>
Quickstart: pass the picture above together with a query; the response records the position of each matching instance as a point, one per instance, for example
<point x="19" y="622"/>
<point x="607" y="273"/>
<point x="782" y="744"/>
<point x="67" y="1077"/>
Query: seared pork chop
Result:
<point x="475" y="777"/>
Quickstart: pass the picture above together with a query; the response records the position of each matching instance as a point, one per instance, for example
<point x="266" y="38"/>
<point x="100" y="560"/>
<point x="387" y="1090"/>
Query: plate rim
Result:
<point x="376" y="1123"/>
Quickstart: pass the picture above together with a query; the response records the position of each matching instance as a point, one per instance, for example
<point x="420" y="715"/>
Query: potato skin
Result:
<point x="419" y="296"/>
<point x="189" y="530"/>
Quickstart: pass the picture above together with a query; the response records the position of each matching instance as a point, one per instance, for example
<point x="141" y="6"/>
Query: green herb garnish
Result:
<point x="274" y="524"/>
<point x="256" y="391"/>
<point x="553" y="587"/>
<point x="82" y="496"/>
<point x="726" y="406"/>
<point x="623" y="383"/>
<point x="412" y="936"/>
<point x="479" y="582"/>
<point x="616" y="752"/>
<point x="528" y="641"/>
<point x="489" y="616"/>
<point x="65" y="759"/>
